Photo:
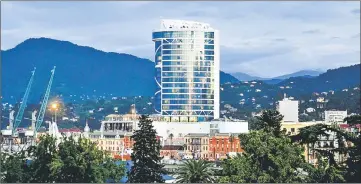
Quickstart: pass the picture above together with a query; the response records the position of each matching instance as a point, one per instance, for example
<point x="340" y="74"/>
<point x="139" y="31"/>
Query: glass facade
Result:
<point x="187" y="74"/>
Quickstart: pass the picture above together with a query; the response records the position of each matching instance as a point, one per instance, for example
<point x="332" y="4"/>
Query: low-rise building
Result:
<point x="172" y="152"/>
<point x="196" y="146"/>
<point x="335" y="116"/>
<point x="116" y="145"/>
<point x="211" y="147"/>
<point x="221" y="145"/>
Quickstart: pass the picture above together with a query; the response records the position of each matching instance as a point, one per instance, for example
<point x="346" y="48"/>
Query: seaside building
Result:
<point x="187" y="64"/>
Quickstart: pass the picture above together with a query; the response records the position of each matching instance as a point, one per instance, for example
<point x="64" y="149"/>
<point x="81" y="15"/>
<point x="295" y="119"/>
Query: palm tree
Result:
<point x="231" y="140"/>
<point x="171" y="143"/>
<point x="195" y="171"/>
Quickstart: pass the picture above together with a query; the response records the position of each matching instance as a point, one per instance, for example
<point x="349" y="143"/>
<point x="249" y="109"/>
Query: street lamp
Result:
<point x="54" y="106"/>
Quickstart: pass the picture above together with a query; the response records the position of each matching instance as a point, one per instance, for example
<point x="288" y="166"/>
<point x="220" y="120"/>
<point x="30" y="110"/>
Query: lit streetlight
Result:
<point x="54" y="106"/>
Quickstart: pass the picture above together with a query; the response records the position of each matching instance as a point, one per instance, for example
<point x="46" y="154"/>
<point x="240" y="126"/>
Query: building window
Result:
<point x="292" y="130"/>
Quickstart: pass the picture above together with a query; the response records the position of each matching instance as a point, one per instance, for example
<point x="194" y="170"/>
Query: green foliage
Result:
<point x="253" y="124"/>
<point x="14" y="168"/>
<point x="72" y="161"/>
<point x="336" y="172"/>
<point x="267" y="158"/>
<point x="195" y="171"/>
<point x="147" y="162"/>
<point x="81" y="161"/>
<point x="270" y="121"/>
<point x="42" y="156"/>
<point x="324" y="173"/>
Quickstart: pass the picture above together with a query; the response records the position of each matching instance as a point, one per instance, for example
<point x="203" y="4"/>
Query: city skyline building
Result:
<point x="187" y="64"/>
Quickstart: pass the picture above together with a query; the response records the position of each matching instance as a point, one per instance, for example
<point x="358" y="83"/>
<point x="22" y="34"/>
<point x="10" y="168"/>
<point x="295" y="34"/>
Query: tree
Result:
<point x="324" y="173"/>
<point x="14" y="168"/>
<point x="253" y="123"/>
<point x="147" y="166"/>
<point x="81" y="161"/>
<point x="264" y="160"/>
<point x="42" y="156"/>
<point x="310" y="135"/>
<point x="270" y="121"/>
<point x="70" y="162"/>
<point x="231" y="140"/>
<point x="351" y="167"/>
<point x="171" y="143"/>
<point x="195" y="171"/>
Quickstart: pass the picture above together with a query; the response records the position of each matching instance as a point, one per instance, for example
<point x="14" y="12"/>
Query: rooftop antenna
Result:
<point x="284" y="95"/>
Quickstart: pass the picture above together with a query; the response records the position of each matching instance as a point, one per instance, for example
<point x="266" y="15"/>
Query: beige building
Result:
<point x="196" y="145"/>
<point x="116" y="145"/>
<point x="115" y="134"/>
<point x="292" y="128"/>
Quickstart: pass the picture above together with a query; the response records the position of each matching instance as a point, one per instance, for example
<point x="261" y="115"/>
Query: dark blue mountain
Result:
<point x="333" y="79"/>
<point x="302" y="73"/>
<point x="79" y="71"/>
<point x="275" y="80"/>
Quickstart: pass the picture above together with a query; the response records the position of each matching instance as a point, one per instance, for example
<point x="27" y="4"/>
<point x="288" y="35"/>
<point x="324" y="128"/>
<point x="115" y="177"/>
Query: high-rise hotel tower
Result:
<point x="187" y="71"/>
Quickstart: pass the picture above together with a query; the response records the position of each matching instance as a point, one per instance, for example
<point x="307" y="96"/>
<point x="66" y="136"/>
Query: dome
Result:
<point x="86" y="128"/>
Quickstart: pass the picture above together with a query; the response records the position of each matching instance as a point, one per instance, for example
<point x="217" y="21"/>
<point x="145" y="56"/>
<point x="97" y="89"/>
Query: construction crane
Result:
<point x="23" y="105"/>
<point x="44" y="104"/>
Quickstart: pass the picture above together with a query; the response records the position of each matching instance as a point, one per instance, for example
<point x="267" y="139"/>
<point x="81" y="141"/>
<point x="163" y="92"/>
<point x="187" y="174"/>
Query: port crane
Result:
<point x="10" y="135"/>
<point x="44" y="104"/>
<point x="20" y="114"/>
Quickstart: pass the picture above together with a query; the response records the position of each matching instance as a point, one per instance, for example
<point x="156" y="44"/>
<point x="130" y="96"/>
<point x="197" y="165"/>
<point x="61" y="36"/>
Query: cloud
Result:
<point x="356" y="35"/>
<point x="263" y="38"/>
<point x="356" y="11"/>
<point x="313" y="31"/>
<point x="280" y="39"/>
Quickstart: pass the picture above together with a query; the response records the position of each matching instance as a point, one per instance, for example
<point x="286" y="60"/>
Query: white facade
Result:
<point x="180" y="129"/>
<point x="187" y="63"/>
<point x="335" y="116"/>
<point x="233" y="127"/>
<point x="289" y="109"/>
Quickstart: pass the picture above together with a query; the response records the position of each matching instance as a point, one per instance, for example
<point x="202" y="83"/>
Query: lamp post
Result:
<point x="54" y="106"/>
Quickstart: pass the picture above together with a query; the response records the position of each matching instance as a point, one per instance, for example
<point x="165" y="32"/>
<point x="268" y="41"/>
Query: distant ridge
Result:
<point x="303" y="73"/>
<point x="80" y="70"/>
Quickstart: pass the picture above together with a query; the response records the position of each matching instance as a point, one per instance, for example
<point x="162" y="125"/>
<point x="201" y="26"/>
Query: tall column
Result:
<point x="11" y="119"/>
<point x="33" y="119"/>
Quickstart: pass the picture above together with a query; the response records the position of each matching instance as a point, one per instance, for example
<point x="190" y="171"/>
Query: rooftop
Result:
<point x="169" y="24"/>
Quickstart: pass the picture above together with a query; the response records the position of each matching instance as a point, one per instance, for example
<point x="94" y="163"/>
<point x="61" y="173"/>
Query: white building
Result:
<point x="187" y="63"/>
<point x="180" y="129"/>
<point x="289" y="109"/>
<point x="335" y="116"/>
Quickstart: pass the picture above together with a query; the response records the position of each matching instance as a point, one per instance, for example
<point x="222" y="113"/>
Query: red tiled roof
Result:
<point x="348" y="126"/>
<point x="70" y="130"/>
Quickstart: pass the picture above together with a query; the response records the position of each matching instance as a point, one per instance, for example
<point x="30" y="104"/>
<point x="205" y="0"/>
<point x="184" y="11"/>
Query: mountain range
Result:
<point x="80" y="70"/>
<point x="274" y="80"/>
<point x="85" y="71"/>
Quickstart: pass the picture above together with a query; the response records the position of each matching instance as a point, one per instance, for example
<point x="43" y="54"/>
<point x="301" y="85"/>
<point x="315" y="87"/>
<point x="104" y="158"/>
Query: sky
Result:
<point x="265" y="39"/>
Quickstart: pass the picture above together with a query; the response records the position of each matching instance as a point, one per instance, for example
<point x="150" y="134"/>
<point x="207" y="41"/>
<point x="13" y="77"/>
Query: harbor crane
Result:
<point x="11" y="134"/>
<point x="19" y="115"/>
<point x="44" y="104"/>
